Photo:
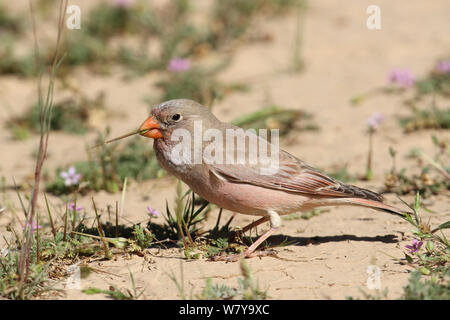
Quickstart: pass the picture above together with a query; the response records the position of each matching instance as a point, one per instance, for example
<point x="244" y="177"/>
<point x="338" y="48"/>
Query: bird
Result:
<point x="241" y="184"/>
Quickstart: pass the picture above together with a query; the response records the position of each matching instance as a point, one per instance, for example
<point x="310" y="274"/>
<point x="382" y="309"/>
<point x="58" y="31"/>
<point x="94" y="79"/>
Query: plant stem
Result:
<point x="117" y="218"/>
<point x="50" y="216"/>
<point x="122" y="199"/>
<point x="38" y="254"/>
<point x="65" y="223"/>
<point x="74" y="212"/>
<point x="298" y="63"/>
<point x="45" y="117"/>
<point x="108" y="254"/>
<point x="369" y="172"/>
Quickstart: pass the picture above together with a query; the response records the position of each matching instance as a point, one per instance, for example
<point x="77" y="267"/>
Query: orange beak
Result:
<point x="150" y="129"/>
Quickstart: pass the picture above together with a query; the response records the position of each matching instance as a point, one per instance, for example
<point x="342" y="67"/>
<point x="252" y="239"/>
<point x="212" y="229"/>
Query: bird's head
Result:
<point x="175" y="114"/>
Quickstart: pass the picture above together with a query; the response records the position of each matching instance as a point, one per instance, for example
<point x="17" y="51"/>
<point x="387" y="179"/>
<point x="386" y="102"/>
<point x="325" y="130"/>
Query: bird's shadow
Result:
<point x="278" y="240"/>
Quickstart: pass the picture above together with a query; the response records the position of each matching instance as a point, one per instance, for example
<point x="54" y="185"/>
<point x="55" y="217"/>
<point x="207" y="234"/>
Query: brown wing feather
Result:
<point x="293" y="176"/>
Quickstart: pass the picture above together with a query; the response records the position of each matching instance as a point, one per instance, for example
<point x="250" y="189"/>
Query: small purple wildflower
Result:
<point x="375" y="120"/>
<point x="415" y="246"/>
<point x="179" y="65"/>
<point x="443" y="66"/>
<point x="401" y="77"/>
<point x="71" y="177"/>
<point x="34" y="226"/>
<point x="72" y="207"/>
<point x="123" y="3"/>
<point x="153" y="212"/>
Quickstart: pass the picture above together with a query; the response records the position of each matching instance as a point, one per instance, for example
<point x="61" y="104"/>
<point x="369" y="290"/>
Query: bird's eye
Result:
<point x="176" y="117"/>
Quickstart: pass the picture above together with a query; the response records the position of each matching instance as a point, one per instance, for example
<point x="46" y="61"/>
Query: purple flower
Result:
<point x="153" y="212"/>
<point x="415" y="247"/>
<point x="401" y="77"/>
<point x="71" y="177"/>
<point x="34" y="226"/>
<point x="123" y="3"/>
<point x="72" y="207"/>
<point x="443" y="66"/>
<point x="375" y="120"/>
<point x="179" y="65"/>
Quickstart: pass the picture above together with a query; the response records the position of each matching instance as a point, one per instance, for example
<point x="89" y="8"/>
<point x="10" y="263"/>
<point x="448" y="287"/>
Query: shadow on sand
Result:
<point x="303" y="241"/>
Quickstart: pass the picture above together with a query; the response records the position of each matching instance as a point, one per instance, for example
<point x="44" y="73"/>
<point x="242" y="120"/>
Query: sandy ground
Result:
<point x="331" y="252"/>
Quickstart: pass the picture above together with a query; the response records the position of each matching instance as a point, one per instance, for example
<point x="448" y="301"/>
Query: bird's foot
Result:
<point x="245" y="255"/>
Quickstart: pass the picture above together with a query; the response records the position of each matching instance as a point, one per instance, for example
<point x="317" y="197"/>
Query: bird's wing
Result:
<point x="293" y="175"/>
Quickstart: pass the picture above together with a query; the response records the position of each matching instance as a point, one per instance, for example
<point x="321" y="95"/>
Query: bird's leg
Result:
<point x="239" y="233"/>
<point x="275" y="223"/>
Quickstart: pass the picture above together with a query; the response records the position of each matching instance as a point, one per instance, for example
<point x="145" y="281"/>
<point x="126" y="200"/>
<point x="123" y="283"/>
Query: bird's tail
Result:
<point x="377" y="205"/>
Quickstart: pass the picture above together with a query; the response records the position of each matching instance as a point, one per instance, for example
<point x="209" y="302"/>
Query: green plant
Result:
<point x="46" y="256"/>
<point x="437" y="253"/>
<point x="9" y="23"/>
<point x="378" y="295"/>
<point x="232" y="18"/>
<point x="426" y="183"/>
<point x="430" y="261"/>
<point x="426" y="119"/>
<point x="434" y="83"/>
<point x="195" y="84"/>
<point x="85" y="49"/>
<point x="10" y="62"/>
<point x="342" y="174"/>
<point x="220" y="231"/>
<point x="274" y="117"/>
<point x="70" y="115"/>
<point x="117" y="294"/>
<point x="45" y="104"/>
<point x="10" y="285"/>
<point x="436" y="288"/>
<point x="143" y="238"/>
<point x="214" y="291"/>
<point x="20" y="132"/>
<point x="109" y="166"/>
<point x="433" y="261"/>
<point x="184" y="223"/>
<point x="107" y="20"/>
<point x="247" y="288"/>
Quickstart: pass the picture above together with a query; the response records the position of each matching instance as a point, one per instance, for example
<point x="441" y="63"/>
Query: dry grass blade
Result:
<point x="108" y="254"/>
<point x="45" y="109"/>
<point x="120" y="138"/>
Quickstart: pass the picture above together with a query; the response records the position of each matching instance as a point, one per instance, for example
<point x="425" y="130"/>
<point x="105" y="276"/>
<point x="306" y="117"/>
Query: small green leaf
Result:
<point x="435" y="140"/>
<point x="392" y="152"/>
<point x="430" y="246"/>
<point x="417" y="208"/>
<point x="408" y="258"/>
<point x="424" y="271"/>
<point x="445" y="225"/>
<point x="92" y="291"/>
<point x="417" y="202"/>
